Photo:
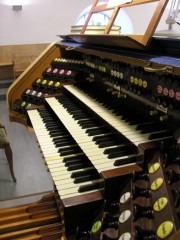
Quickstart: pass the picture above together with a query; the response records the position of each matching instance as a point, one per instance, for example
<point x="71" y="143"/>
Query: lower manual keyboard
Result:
<point x="72" y="173"/>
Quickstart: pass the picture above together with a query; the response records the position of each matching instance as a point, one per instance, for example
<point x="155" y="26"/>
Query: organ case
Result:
<point x="106" y="117"/>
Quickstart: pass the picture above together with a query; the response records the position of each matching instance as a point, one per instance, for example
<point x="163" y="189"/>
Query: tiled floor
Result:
<point x="29" y="168"/>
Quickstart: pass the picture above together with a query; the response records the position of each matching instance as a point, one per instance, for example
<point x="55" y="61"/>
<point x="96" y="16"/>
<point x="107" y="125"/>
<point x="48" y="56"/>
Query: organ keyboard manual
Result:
<point x="106" y="111"/>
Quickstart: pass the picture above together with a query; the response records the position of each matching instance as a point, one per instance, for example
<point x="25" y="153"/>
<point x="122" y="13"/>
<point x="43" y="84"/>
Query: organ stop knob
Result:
<point x="142" y="212"/>
<point x="140" y="192"/>
<point x="141" y="234"/>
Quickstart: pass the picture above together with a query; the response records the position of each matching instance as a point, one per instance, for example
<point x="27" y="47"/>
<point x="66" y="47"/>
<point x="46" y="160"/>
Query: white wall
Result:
<point x="39" y="21"/>
<point x="141" y="15"/>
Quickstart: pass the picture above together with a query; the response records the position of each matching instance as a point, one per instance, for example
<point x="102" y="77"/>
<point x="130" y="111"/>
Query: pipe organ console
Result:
<point x="107" y="123"/>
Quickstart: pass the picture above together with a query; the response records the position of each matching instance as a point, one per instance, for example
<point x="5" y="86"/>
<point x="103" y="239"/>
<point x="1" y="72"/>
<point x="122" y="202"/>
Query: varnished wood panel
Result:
<point x="19" y="57"/>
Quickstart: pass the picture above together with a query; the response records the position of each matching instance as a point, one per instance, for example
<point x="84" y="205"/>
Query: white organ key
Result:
<point x="73" y="188"/>
<point x="71" y="193"/>
<point x="57" y="173"/>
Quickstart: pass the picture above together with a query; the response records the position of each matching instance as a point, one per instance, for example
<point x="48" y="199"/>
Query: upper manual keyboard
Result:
<point x="137" y="133"/>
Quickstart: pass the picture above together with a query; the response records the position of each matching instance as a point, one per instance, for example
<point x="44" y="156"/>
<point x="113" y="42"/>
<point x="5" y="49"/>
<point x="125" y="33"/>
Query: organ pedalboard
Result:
<point x="37" y="220"/>
<point x="107" y="125"/>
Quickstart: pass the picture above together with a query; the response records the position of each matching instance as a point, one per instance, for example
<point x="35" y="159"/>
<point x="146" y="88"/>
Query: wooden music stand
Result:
<point x="139" y="39"/>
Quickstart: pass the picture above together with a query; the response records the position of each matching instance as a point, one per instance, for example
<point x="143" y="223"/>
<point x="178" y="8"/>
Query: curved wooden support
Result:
<point x="26" y="79"/>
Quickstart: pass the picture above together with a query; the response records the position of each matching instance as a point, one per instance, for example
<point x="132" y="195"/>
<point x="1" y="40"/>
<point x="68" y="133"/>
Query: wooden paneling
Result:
<point x="17" y="58"/>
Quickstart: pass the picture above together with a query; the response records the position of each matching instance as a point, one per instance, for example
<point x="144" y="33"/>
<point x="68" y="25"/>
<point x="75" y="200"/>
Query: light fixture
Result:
<point x="17" y="5"/>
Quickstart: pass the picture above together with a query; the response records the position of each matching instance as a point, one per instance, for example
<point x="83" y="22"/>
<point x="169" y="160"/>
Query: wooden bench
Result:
<point x="4" y="143"/>
<point x="14" y="59"/>
<point x="6" y="69"/>
<point x="20" y="63"/>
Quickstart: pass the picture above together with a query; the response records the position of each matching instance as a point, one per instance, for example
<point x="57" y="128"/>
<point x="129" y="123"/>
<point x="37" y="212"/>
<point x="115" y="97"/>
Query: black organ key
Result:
<point x="143" y="126"/>
<point x="127" y="116"/>
<point x="69" y="150"/>
<point x="119" y="153"/>
<point x="107" y="143"/>
<point x="88" y="125"/>
<point x="135" y="120"/>
<point x="67" y="146"/>
<point x="80" y="157"/>
<point x="53" y="127"/>
<point x="102" y="137"/>
<point x="85" y="178"/>
<point x="96" y="131"/>
<point x="90" y="170"/>
<point x="151" y="127"/>
<point x="76" y="160"/>
<point x="124" y="148"/>
<point x="73" y="109"/>
<point x="123" y="161"/>
<point x="76" y="166"/>
<point x="163" y="134"/>
<point x="61" y="144"/>
<point x="63" y="138"/>
<point x="56" y="130"/>
<point x="108" y="140"/>
<point x="80" y="116"/>
<point x="56" y="133"/>
<point x="89" y="187"/>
